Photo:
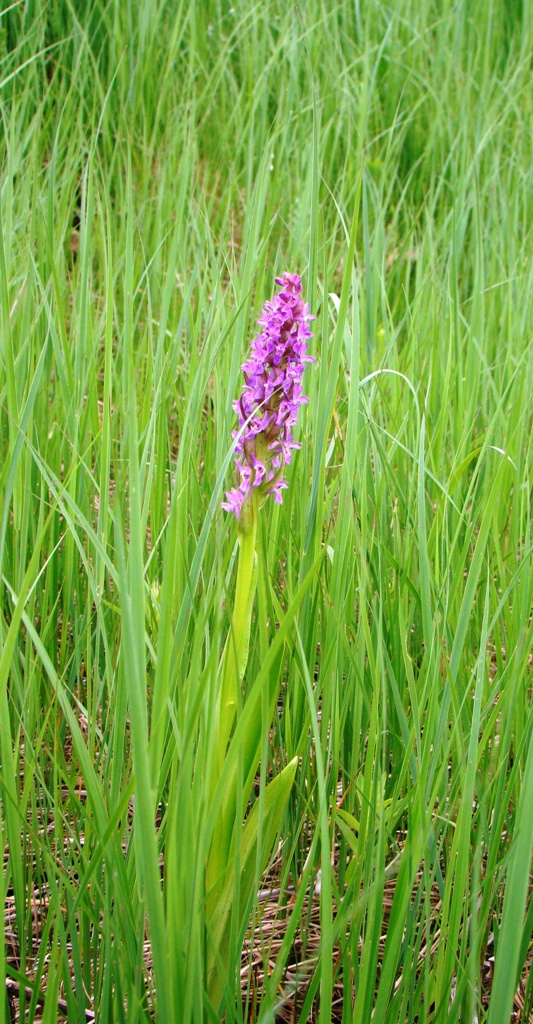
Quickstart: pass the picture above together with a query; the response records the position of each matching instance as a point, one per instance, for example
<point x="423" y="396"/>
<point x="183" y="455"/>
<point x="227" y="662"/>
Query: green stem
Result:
<point x="235" y="654"/>
<point x="233" y="665"/>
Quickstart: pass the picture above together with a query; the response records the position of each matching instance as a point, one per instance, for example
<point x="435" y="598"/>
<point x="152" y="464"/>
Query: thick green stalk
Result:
<point x="233" y="665"/>
<point x="237" y="644"/>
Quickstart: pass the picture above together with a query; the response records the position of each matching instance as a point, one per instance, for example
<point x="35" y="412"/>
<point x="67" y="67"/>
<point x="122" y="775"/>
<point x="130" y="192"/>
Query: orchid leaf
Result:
<point x="261" y="826"/>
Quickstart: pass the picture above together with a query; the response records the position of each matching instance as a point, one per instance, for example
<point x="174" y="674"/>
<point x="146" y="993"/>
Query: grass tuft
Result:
<point x="160" y="164"/>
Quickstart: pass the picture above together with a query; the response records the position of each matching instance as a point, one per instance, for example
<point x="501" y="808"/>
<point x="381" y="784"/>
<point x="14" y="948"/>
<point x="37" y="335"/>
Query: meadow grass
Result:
<point x="161" y="164"/>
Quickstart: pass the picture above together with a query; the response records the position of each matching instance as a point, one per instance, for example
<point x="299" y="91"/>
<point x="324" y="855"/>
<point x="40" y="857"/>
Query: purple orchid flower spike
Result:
<point x="272" y="395"/>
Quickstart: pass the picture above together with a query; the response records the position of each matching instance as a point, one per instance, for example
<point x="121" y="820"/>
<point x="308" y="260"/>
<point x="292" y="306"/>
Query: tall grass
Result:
<point x="161" y="163"/>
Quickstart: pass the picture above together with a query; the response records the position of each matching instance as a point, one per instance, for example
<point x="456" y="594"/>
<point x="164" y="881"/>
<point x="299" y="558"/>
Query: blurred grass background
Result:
<point x="161" y="163"/>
